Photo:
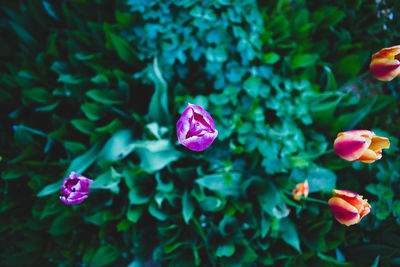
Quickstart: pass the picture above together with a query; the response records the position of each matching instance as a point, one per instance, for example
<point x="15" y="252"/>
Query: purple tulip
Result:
<point x="75" y="189"/>
<point x="195" y="128"/>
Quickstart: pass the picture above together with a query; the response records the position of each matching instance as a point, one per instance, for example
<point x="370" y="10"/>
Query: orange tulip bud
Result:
<point x="360" y="145"/>
<point x="302" y="189"/>
<point x="348" y="207"/>
<point x="385" y="64"/>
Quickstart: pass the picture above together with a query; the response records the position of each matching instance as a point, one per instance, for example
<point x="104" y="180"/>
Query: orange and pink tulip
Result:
<point x="360" y="145"/>
<point x="302" y="189"/>
<point x="347" y="207"/>
<point x="385" y="64"/>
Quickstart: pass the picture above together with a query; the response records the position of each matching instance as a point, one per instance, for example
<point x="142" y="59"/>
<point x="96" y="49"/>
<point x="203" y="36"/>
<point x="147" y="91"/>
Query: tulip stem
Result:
<point x="310" y="199"/>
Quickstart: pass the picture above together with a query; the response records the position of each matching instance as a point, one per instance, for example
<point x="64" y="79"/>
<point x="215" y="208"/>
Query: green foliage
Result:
<point x="96" y="87"/>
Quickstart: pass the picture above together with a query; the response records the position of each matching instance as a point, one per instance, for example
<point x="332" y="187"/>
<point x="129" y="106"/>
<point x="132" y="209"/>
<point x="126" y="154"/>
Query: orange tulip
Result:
<point x="348" y="207"/>
<point x="360" y="145"/>
<point x="302" y="189"/>
<point x="385" y="64"/>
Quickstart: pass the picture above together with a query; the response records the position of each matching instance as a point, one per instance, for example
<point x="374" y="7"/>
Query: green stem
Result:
<point x="29" y="129"/>
<point x="310" y="199"/>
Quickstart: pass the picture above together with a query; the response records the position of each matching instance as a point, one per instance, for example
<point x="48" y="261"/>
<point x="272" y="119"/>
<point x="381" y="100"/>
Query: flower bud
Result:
<point x="348" y="207"/>
<point x="75" y="189"/>
<point x="360" y="145"/>
<point x="195" y="128"/>
<point x="302" y="189"/>
<point x="385" y="64"/>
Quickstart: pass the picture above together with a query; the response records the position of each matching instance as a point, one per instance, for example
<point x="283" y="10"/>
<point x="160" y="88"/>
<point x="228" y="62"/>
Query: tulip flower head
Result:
<point x="348" y="207"/>
<point x="385" y="64"/>
<point x="360" y="145"/>
<point x="75" y="189"/>
<point x="195" y="128"/>
<point x="302" y="189"/>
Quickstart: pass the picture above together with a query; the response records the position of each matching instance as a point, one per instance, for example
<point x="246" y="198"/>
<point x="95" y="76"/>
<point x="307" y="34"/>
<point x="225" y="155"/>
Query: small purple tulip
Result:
<point x="75" y="189"/>
<point x="195" y="128"/>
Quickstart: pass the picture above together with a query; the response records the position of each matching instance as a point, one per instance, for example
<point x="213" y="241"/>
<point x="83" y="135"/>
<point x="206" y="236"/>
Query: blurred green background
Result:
<point x="96" y="87"/>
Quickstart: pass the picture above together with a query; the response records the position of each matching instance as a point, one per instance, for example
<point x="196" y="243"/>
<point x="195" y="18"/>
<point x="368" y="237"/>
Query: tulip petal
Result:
<point x="195" y="128"/>
<point x="385" y="65"/>
<point x="204" y="114"/>
<point x="351" y="146"/>
<point x="378" y="143"/>
<point x="365" y="133"/>
<point x="352" y="198"/>
<point x="370" y="156"/>
<point x="343" y="211"/>
<point x="347" y="193"/>
<point x="199" y="143"/>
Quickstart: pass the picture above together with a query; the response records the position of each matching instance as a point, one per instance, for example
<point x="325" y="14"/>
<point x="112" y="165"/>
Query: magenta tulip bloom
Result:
<point x="348" y="207"/>
<point x="75" y="189"/>
<point x="195" y="128"/>
<point x="360" y="145"/>
<point x="385" y="64"/>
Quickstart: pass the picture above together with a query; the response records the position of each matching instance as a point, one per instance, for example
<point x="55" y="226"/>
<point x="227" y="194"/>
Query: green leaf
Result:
<point x="303" y="60"/>
<point x="112" y="127"/>
<point x="331" y="84"/>
<point x="134" y="214"/>
<point x="81" y="163"/>
<point x="117" y="147"/>
<point x="271" y="58"/>
<point x="321" y="179"/>
<point x="332" y="260"/>
<point x="106" y="97"/>
<point x="124" y="50"/>
<point x="63" y="224"/>
<point x="92" y="111"/>
<point x="69" y="79"/>
<point x="99" y="79"/>
<point x="155" y="155"/>
<point x="227" y="184"/>
<point x="265" y="225"/>
<point x="158" y="108"/>
<point x="104" y="255"/>
<point x="156" y="212"/>
<point x="351" y="120"/>
<point x="289" y="233"/>
<point x="270" y="200"/>
<point x="210" y="204"/>
<point x="187" y="207"/>
<point x="23" y="33"/>
<point x="37" y="94"/>
<point x="225" y="250"/>
<point x="84" y="126"/>
<point x="11" y="174"/>
<point x="349" y="66"/>
<point x="252" y="86"/>
<point x="49" y="107"/>
<point x="74" y="147"/>
<point x="106" y="181"/>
